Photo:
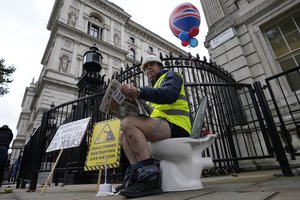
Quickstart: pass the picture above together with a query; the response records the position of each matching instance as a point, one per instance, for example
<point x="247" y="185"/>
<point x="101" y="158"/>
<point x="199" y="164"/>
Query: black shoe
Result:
<point x="150" y="186"/>
<point x="126" y="180"/>
<point x="119" y="188"/>
<point x="130" y="170"/>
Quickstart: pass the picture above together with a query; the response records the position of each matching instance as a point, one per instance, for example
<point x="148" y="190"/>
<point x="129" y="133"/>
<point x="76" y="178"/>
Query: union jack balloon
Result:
<point x="184" y="22"/>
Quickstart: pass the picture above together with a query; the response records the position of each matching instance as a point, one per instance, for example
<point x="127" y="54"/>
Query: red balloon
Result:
<point x="194" y="31"/>
<point x="185" y="43"/>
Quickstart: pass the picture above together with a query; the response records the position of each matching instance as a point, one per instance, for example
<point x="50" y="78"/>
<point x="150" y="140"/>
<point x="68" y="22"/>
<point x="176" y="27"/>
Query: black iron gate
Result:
<point x="235" y="112"/>
<point x="284" y="90"/>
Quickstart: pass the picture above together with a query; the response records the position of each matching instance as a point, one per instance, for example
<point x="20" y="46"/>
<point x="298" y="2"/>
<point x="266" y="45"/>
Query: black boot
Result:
<point x="145" y="180"/>
<point x="126" y="180"/>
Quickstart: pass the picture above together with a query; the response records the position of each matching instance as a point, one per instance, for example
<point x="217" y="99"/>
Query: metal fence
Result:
<point x="286" y="107"/>
<point x="235" y="112"/>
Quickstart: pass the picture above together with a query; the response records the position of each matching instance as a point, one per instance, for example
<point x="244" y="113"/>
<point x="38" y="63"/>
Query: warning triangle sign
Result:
<point x="106" y="135"/>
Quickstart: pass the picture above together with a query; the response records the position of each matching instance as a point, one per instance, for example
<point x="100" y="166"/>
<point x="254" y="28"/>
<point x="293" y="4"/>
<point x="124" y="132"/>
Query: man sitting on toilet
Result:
<point x="170" y="118"/>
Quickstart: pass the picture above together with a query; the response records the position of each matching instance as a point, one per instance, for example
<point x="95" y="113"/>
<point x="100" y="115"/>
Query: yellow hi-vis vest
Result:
<point x="177" y="112"/>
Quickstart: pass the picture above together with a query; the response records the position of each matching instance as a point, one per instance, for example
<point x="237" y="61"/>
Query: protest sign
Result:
<point x="104" y="142"/>
<point x="69" y="135"/>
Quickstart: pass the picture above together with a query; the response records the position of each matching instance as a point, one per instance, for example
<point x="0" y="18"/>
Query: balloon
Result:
<point x="183" y="36"/>
<point x="185" y="43"/>
<point x="194" y="31"/>
<point x="183" y="18"/>
<point x="193" y="42"/>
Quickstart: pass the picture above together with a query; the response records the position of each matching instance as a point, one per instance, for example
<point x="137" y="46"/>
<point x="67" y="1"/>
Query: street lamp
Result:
<point x="90" y="82"/>
<point x="92" y="60"/>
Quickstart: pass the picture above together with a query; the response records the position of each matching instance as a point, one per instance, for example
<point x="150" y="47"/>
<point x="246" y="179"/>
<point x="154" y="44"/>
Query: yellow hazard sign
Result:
<point x="104" y="143"/>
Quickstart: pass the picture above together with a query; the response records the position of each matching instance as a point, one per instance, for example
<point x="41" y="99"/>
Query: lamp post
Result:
<point x="92" y="60"/>
<point x="91" y="81"/>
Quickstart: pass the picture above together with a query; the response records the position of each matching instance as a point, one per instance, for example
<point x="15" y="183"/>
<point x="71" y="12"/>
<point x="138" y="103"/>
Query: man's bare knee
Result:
<point x="127" y="122"/>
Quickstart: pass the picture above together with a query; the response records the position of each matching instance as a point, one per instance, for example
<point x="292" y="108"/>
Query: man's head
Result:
<point x="151" y="66"/>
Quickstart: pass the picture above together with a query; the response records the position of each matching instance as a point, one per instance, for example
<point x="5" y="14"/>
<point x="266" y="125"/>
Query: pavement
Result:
<point x="262" y="185"/>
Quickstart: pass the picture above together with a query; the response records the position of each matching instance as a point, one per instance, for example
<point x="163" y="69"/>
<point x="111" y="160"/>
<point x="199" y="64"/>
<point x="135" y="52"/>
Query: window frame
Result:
<point x="132" y="51"/>
<point x="95" y="23"/>
<point x="291" y="53"/>
<point x="131" y="40"/>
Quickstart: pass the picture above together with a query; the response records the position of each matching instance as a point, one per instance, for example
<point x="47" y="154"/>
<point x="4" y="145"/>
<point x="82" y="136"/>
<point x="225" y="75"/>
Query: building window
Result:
<point x="95" y="27"/>
<point x="131" y="40"/>
<point x="150" y="49"/>
<point x="132" y="53"/>
<point x="94" y="30"/>
<point x="284" y="37"/>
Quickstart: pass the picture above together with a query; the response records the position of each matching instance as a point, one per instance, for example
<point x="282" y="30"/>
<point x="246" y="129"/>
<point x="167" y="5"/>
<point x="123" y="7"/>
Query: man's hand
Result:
<point x="130" y="90"/>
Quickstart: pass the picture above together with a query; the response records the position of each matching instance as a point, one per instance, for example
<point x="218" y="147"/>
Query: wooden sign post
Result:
<point x="51" y="173"/>
<point x="67" y="136"/>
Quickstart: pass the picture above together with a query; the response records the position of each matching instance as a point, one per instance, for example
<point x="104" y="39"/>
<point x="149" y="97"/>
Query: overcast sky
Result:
<point x="23" y="38"/>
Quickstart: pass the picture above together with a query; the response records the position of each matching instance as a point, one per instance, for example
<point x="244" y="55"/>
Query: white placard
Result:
<point x="69" y="135"/>
<point x="223" y="37"/>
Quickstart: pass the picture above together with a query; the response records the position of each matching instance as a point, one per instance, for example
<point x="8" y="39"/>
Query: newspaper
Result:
<point x="115" y="103"/>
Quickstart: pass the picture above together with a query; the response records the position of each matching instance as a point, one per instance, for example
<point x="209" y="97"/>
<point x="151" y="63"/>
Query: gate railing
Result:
<point x="234" y="115"/>
<point x="284" y="89"/>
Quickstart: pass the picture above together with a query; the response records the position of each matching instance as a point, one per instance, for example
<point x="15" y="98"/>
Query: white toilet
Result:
<point x="181" y="161"/>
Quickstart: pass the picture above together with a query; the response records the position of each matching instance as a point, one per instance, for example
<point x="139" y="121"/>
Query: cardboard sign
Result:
<point x="104" y="142"/>
<point x="69" y="135"/>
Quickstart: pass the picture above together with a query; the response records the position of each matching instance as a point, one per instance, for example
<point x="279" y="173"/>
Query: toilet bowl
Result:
<point x="181" y="161"/>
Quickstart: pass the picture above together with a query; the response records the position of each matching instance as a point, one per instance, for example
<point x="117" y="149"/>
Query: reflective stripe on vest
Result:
<point x="177" y="112"/>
